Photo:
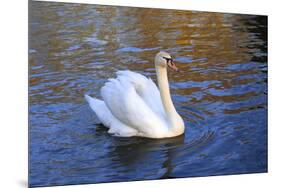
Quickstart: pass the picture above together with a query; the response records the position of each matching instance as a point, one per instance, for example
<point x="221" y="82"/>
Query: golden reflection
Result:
<point x="72" y="38"/>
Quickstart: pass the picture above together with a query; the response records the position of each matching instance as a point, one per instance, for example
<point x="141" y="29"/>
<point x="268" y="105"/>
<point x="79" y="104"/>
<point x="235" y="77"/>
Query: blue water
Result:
<point x="221" y="92"/>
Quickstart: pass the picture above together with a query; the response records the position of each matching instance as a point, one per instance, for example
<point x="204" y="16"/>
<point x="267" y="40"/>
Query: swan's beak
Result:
<point x="172" y="65"/>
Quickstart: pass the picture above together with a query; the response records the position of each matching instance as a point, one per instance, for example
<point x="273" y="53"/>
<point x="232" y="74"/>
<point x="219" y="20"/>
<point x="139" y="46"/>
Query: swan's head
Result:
<point x="163" y="59"/>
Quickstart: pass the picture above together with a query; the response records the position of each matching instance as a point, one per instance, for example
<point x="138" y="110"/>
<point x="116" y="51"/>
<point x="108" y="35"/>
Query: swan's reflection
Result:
<point x="150" y="157"/>
<point x="138" y="158"/>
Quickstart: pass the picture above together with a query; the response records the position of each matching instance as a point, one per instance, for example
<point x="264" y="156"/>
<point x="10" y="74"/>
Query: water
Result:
<point x="221" y="92"/>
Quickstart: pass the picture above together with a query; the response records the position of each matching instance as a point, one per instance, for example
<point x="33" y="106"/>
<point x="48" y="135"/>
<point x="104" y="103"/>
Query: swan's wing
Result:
<point x="116" y="127"/>
<point x="127" y="106"/>
<point x="146" y="89"/>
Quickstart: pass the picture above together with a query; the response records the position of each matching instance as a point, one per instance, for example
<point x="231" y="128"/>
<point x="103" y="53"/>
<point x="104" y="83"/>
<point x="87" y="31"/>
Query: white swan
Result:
<point x="133" y="105"/>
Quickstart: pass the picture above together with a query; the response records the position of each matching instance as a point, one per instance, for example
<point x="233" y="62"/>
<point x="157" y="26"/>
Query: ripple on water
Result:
<point x="135" y="49"/>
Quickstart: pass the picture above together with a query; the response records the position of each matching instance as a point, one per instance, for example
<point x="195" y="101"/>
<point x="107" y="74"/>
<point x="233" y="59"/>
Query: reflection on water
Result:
<point x="221" y="92"/>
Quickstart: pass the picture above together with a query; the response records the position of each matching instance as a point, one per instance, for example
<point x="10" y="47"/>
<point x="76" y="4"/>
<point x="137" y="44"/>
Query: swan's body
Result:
<point x="133" y="105"/>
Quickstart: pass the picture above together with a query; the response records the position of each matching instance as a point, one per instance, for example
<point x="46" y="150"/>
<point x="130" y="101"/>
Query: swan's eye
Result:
<point x="168" y="59"/>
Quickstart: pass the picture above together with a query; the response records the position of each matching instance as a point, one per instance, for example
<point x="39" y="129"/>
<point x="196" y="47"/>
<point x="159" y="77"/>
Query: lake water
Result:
<point x="221" y="92"/>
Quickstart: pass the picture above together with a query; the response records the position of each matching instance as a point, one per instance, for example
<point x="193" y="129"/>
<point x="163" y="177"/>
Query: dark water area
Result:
<point x="221" y="92"/>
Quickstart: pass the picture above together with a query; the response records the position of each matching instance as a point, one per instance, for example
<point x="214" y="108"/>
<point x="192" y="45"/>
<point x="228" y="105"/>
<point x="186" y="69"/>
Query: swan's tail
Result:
<point x="100" y="109"/>
<point x="94" y="103"/>
<point x="116" y="127"/>
<point x="88" y="98"/>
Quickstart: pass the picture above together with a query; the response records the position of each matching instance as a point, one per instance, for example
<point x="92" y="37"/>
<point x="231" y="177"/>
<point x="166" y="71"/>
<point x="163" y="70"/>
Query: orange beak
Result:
<point x="172" y="65"/>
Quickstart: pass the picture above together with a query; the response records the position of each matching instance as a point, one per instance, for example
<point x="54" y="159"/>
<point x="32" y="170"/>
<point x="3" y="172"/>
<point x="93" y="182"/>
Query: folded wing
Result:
<point x="127" y="97"/>
<point x="146" y="89"/>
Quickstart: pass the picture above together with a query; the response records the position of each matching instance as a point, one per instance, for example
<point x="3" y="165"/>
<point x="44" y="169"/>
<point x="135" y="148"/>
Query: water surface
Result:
<point x="221" y="92"/>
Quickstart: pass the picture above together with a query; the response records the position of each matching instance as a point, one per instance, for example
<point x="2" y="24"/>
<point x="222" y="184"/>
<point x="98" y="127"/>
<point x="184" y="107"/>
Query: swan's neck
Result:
<point x="163" y="84"/>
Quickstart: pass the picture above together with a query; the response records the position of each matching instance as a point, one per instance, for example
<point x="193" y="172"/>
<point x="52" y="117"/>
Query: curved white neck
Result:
<point x="163" y="84"/>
